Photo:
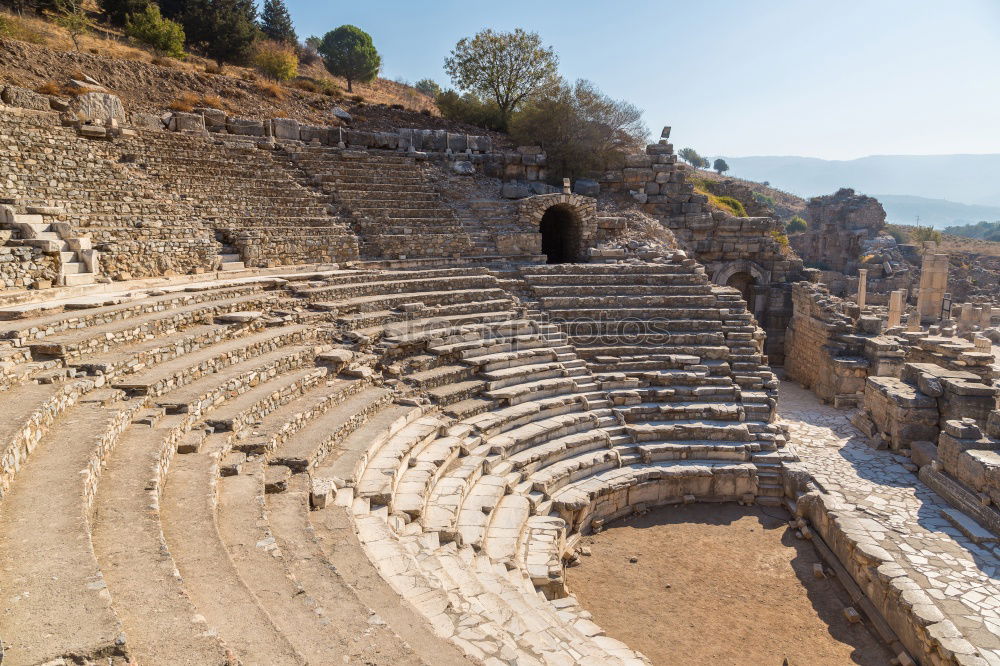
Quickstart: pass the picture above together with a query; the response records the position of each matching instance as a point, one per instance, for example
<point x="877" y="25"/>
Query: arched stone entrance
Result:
<point x="567" y="224"/>
<point x="744" y="283"/>
<point x="560" y="229"/>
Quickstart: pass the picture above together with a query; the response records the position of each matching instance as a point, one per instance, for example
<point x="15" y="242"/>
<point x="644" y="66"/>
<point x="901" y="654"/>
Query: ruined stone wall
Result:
<point x="820" y="353"/>
<point x="26" y="267"/>
<point x="839" y="225"/>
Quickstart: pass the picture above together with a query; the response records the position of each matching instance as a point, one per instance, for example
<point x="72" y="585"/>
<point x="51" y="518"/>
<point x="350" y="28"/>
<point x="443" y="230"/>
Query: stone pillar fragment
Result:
<point x="895" y="308"/>
<point x="933" y="282"/>
<point x="862" y="287"/>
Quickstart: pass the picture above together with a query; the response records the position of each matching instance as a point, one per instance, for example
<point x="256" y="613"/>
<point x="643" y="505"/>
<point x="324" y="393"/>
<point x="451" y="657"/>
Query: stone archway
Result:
<point x="567" y="224"/>
<point x="747" y="277"/>
<point x="744" y="283"/>
<point x="560" y="229"/>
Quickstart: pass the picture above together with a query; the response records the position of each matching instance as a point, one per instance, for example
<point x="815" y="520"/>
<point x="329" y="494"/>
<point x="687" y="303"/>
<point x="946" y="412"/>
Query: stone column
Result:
<point x="862" y="287"/>
<point x="933" y="282"/>
<point x="895" y="308"/>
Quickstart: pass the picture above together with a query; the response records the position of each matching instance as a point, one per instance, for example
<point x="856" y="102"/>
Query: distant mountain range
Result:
<point x="942" y="189"/>
<point x="938" y="213"/>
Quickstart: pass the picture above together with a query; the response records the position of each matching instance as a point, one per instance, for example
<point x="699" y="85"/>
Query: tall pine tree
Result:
<point x="224" y="30"/>
<point x="276" y="23"/>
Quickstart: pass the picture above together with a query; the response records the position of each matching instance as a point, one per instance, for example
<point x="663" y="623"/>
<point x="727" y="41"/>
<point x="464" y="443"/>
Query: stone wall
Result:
<point x="839" y="226"/>
<point x="831" y="348"/>
<point x="26" y="267"/>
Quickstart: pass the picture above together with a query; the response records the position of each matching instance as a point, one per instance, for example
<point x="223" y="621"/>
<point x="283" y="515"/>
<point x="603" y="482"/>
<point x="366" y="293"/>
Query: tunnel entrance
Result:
<point x="560" y="229"/>
<point x="745" y="284"/>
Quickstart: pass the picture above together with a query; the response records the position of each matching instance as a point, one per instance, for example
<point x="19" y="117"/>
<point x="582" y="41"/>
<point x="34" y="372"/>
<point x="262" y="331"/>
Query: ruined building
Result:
<point x="264" y="383"/>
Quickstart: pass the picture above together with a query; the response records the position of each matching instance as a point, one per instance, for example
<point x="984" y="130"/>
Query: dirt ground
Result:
<point x="719" y="585"/>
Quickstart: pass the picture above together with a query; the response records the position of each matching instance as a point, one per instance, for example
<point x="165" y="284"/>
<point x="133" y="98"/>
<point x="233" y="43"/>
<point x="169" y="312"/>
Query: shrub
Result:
<point x="924" y="234"/>
<point x="470" y="109"/>
<point x="211" y="101"/>
<point x="164" y="61"/>
<point x="781" y="238"/>
<point x="428" y="87"/>
<point x="185" y="103"/>
<point x="796" y="225"/>
<point x="309" y="85"/>
<point x="276" y="60"/>
<point x="49" y="88"/>
<point x="213" y="68"/>
<point x="148" y="27"/>
<point x="271" y="89"/>
<point x="899" y="233"/>
<point x="357" y="99"/>
<point x="736" y="206"/>
<point x="581" y="129"/>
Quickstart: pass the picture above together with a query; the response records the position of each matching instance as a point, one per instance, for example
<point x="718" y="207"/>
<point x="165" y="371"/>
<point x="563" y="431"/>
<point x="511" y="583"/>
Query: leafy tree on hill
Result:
<point x="796" y="225"/>
<point x="118" y="11"/>
<point x="470" y="109"/>
<point x="348" y="52"/>
<point x="581" y="129"/>
<point x="428" y="87"/>
<point x="691" y="156"/>
<point x="225" y="30"/>
<point x="720" y="166"/>
<point x="504" y="67"/>
<point x="150" y="28"/>
<point x="276" y="23"/>
<point x="983" y="230"/>
<point x="71" y="16"/>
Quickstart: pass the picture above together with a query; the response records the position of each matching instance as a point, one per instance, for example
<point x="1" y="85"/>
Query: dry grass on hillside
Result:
<point x="38" y="54"/>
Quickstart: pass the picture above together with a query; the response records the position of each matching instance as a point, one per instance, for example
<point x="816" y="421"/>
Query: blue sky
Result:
<point x="821" y="78"/>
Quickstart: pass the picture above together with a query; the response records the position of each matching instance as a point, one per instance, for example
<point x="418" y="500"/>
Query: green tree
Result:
<point x="71" y="16"/>
<point x="150" y="28"/>
<point x="505" y="67"/>
<point x="277" y="60"/>
<point x="796" y="225"/>
<point x="691" y="156"/>
<point x="469" y="109"/>
<point x="118" y="11"/>
<point x="225" y="30"/>
<point x="428" y="87"/>
<point x="720" y="166"/>
<point x="276" y="23"/>
<point x="581" y="129"/>
<point x="348" y="52"/>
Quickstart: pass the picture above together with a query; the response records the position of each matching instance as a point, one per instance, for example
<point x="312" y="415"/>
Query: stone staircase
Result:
<point x="396" y="210"/>
<point x="43" y="227"/>
<point x="465" y="442"/>
<point x="679" y="357"/>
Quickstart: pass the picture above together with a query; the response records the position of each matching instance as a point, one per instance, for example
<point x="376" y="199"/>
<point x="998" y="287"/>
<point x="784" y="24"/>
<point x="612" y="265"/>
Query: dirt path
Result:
<point x="720" y="585"/>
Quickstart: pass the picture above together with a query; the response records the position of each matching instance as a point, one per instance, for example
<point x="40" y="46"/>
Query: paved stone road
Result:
<point x="904" y="516"/>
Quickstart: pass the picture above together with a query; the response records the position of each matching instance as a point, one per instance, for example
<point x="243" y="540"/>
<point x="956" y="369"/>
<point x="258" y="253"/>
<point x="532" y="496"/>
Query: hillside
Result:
<point x="955" y="178"/>
<point x="783" y="204"/>
<point x="36" y="54"/>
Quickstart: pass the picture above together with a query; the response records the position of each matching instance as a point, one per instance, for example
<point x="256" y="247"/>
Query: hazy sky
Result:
<point x="836" y="79"/>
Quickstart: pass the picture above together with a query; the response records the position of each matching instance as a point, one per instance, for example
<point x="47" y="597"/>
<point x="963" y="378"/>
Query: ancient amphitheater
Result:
<point x="275" y="394"/>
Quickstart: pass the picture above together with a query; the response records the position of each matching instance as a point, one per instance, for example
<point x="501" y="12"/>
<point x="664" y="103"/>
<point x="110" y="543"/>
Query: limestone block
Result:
<point x="245" y="126"/>
<point x="586" y="187"/>
<point x="285" y="128"/>
<point x="215" y="119"/>
<point x="98" y="106"/>
<point x="190" y="122"/>
<point x="146" y="121"/>
<point x="24" y="98"/>
<point x="463" y="167"/>
<point x="341" y="114"/>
